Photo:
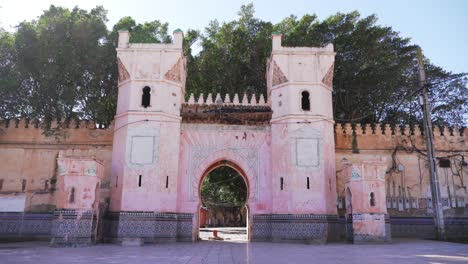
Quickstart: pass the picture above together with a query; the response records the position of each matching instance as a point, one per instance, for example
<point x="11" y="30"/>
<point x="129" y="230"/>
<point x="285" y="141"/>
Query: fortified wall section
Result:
<point x="407" y="179"/>
<point x="28" y="177"/>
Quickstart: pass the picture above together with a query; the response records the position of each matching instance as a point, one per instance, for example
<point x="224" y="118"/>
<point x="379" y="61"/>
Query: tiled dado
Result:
<point x="149" y="226"/>
<point x="16" y="226"/>
<point x="72" y="228"/>
<point x="307" y="228"/>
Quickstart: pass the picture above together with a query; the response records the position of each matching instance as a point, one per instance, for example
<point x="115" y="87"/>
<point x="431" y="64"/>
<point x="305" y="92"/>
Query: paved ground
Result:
<point x="401" y="251"/>
<point x="236" y="234"/>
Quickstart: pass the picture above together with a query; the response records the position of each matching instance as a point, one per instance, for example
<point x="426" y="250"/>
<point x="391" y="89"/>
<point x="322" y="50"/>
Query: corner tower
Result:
<point x="147" y="125"/>
<point x="299" y="84"/>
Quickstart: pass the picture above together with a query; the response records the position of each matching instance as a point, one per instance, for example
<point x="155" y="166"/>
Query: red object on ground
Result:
<point x="215" y="233"/>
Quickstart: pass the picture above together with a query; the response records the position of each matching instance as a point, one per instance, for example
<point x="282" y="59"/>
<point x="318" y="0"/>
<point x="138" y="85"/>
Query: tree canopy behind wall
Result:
<point x="63" y="65"/>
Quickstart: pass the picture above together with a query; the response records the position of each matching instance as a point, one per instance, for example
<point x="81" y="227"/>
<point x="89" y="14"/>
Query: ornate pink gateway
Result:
<point x="139" y="181"/>
<point x="284" y="148"/>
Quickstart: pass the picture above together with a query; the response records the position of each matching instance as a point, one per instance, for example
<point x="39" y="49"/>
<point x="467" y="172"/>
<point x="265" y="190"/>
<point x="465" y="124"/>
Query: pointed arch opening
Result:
<point x="223" y="192"/>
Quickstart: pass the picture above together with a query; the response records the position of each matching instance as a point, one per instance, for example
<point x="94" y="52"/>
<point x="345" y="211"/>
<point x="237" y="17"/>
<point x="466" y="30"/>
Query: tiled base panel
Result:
<point x="148" y="226"/>
<point x="25" y="226"/>
<point x="155" y="227"/>
<point x="296" y="228"/>
<point x="72" y="228"/>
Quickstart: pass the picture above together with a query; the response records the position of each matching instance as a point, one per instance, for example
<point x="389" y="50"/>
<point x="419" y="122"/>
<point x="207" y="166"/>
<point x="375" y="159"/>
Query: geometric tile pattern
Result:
<point x="25" y="226"/>
<point x="73" y="228"/>
<point x="294" y="228"/>
<point x="150" y="226"/>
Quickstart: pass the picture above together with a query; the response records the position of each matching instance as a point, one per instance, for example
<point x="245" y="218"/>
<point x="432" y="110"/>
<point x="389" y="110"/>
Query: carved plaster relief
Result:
<point x="328" y="78"/>
<point x="123" y="73"/>
<point x="278" y="75"/>
<point x="174" y="73"/>
<point x="355" y="174"/>
<point x="201" y="157"/>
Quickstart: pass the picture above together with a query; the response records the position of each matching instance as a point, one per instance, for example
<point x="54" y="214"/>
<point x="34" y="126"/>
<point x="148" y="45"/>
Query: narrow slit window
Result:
<point x="139" y="181"/>
<point x="372" y="199"/>
<point x="305" y="101"/>
<point x="116" y="181"/>
<point x="281" y="183"/>
<point x="167" y="182"/>
<point x="23" y="185"/>
<point x="1" y="184"/>
<point x="71" y="199"/>
<point x="146" y="97"/>
<point x="308" y="183"/>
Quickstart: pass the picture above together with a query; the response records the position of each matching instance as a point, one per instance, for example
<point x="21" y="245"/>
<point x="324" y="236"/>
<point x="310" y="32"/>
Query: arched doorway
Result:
<point x="223" y="196"/>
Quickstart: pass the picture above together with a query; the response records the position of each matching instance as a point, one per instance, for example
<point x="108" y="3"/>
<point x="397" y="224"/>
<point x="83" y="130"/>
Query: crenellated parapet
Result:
<point x="387" y="136"/>
<point x="54" y="124"/>
<point x="69" y="131"/>
<point x="254" y="100"/>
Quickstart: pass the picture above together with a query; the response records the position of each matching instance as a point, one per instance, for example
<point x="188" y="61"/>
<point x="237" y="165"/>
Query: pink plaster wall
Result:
<point x="362" y="179"/>
<point x="83" y="175"/>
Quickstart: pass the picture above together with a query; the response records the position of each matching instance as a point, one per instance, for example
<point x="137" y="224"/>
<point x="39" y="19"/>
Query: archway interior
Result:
<point x="223" y="194"/>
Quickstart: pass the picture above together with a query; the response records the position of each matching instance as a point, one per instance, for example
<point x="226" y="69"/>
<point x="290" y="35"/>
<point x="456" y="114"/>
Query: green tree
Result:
<point x="148" y="32"/>
<point x="375" y="77"/>
<point x="233" y="56"/>
<point x="64" y="65"/>
<point x="12" y="100"/>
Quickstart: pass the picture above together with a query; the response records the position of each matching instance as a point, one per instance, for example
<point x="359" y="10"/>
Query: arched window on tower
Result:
<point x="372" y="199"/>
<point x="305" y="102"/>
<point x="146" y="97"/>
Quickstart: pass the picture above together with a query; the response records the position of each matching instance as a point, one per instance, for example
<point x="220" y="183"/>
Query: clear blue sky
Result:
<point x="439" y="27"/>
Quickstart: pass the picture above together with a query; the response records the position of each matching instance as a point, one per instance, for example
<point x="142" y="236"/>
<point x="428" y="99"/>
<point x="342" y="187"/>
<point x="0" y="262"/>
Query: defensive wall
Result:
<point x="29" y="171"/>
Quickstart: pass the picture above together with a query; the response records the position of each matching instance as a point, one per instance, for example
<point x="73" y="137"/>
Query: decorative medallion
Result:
<point x="355" y="174"/>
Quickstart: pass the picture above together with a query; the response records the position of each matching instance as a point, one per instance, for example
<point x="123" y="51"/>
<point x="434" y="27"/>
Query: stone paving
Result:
<point x="236" y="234"/>
<point x="401" y="251"/>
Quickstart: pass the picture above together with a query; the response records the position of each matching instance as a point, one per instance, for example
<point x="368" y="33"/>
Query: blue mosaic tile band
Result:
<point x="25" y="226"/>
<point x="294" y="228"/>
<point x="71" y="228"/>
<point x="150" y="226"/>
